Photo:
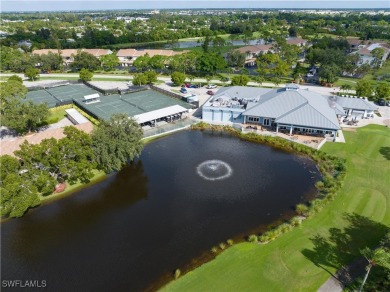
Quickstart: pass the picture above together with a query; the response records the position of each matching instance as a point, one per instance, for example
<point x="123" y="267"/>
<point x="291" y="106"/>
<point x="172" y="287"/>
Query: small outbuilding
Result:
<point x="75" y="117"/>
<point x="91" y="98"/>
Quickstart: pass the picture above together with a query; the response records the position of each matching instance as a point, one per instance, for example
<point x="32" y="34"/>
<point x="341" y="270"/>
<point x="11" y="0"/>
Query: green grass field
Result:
<point x="296" y="261"/>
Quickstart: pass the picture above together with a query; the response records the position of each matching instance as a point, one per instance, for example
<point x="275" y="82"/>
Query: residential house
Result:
<point x="356" y="44"/>
<point x="251" y="52"/>
<point x="127" y="56"/>
<point x="67" y="55"/>
<point x="297" y="42"/>
<point x="365" y="53"/>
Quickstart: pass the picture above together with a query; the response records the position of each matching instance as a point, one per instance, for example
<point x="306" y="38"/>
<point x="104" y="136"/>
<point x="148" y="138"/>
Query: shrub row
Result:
<point x="89" y="117"/>
<point x="222" y="245"/>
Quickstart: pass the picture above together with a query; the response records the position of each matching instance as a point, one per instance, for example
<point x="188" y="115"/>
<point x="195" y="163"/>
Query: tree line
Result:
<point x="91" y="30"/>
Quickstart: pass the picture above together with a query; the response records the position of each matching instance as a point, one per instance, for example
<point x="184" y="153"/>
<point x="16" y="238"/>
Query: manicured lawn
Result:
<point x="346" y="80"/>
<point x="287" y="264"/>
<point x="57" y="114"/>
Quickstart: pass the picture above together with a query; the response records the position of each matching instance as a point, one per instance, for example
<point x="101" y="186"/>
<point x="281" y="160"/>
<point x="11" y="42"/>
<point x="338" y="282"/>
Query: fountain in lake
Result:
<point x="214" y="170"/>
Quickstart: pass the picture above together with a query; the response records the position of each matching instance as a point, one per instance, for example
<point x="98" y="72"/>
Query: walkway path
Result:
<point x="10" y="145"/>
<point x="344" y="276"/>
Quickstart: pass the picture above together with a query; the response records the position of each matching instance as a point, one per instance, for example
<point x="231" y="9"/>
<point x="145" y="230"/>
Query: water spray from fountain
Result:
<point x="214" y="170"/>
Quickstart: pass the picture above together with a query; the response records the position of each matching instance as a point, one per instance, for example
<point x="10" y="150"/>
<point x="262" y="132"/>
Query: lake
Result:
<point x="187" y="193"/>
<point x="191" y="44"/>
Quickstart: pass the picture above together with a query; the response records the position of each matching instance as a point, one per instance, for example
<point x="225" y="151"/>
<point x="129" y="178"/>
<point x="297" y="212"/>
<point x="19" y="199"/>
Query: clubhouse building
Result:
<point x="289" y="110"/>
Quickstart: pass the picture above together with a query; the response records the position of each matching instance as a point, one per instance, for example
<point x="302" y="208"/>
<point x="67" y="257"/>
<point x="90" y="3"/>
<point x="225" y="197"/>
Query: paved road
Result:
<point x="319" y="89"/>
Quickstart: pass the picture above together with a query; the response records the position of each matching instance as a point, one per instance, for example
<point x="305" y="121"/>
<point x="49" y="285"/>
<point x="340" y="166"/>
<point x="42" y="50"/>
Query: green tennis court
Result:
<point x="69" y="92"/>
<point x="41" y="96"/>
<point x="131" y="104"/>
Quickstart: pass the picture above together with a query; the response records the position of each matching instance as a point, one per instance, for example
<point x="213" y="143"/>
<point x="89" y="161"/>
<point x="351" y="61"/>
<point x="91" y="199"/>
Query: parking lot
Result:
<point x="200" y="92"/>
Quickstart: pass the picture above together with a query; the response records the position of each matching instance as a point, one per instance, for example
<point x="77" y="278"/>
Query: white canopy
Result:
<point x="76" y="117"/>
<point x="91" y="96"/>
<point x="160" y="113"/>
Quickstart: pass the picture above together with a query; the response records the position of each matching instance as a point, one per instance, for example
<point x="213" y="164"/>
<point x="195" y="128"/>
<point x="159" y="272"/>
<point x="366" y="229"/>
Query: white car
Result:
<point x="211" y="86"/>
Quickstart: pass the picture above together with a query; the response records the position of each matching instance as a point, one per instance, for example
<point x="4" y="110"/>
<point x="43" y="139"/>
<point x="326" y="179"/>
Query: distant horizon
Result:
<point x="61" y="6"/>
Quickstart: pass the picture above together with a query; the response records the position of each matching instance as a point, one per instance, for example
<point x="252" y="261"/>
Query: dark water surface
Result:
<point x="156" y="215"/>
<point x="191" y="44"/>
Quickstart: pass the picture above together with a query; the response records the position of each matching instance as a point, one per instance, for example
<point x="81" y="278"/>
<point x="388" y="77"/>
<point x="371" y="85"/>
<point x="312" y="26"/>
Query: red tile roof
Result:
<point x="254" y="49"/>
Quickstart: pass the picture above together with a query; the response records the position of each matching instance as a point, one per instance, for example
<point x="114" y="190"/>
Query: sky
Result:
<point x="71" y="5"/>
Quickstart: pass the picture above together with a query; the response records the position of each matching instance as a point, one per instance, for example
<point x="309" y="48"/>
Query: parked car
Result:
<point x="210" y="92"/>
<point x="183" y="90"/>
<point x="211" y="86"/>
<point x="194" y="86"/>
<point x="381" y="102"/>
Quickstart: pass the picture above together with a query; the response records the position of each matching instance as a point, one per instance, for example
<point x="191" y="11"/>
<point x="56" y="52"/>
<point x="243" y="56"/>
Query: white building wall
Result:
<point x="229" y="115"/>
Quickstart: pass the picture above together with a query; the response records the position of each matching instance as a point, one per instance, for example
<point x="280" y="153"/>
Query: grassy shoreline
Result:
<point x="281" y="265"/>
<point x="70" y="189"/>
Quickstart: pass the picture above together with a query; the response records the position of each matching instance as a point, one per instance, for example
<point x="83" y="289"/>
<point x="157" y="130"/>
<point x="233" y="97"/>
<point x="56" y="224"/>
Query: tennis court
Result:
<point x="41" y="96"/>
<point x="108" y="105"/>
<point x="150" y="100"/>
<point x="69" y="92"/>
<point x="131" y="104"/>
<point x="59" y="94"/>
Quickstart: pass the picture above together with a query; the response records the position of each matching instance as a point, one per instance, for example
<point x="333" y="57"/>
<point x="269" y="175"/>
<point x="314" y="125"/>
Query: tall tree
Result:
<point x="142" y="63"/>
<point x="377" y="53"/>
<point x="140" y="79"/>
<point x="86" y="61"/>
<point x="240" y="80"/>
<point x="178" y="78"/>
<point x="24" y="116"/>
<point x="51" y="61"/>
<point x="329" y="73"/>
<point x="157" y="62"/>
<point x="85" y="75"/>
<point x="32" y="73"/>
<point x="210" y="63"/>
<point x="364" y="88"/>
<point x="382" y="91"/>
<point x="11" y="90"/>
<point x="17" y="196"/>
<point x="109" y="61"/>
<point x="116" y="142"/>
<point x="70" y="158"/>
<point x="235" y="59"/>
<point x="151" y="76"/>
<point x="377" y="257"/>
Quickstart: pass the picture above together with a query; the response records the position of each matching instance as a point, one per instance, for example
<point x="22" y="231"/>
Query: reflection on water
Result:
<point x="155" y="215"/>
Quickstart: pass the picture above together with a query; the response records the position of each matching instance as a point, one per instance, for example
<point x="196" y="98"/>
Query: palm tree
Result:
<point x="379" y="256"/>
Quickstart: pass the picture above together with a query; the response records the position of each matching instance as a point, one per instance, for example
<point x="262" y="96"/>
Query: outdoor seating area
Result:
<point x="350" y="121"/>
<point x="314" y="140"/>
